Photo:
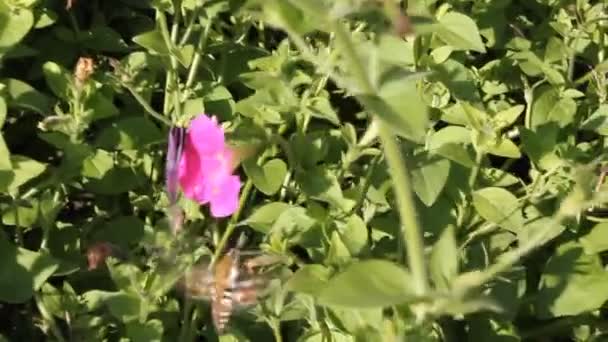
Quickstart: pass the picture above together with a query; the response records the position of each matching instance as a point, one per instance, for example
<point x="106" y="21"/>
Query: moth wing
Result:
<point x="249" y="289"/>
<point x="198" y="283"/>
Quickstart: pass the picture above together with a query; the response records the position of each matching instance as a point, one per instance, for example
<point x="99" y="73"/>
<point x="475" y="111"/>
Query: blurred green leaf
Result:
<point x="263" y="217"/>
<point x="368" y="284"/>
<point x="151" y="330"/>
<point x="129" y="133"/>
<point x="399" y="104"/>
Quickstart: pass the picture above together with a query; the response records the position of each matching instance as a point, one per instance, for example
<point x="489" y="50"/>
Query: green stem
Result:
<point x="146" y="106"/>
<point x="232" y="224"/>
<point x="172" y="77"/>
<point x="202" y="44"/>
<point x="184" y="333"/>
<point x="475" y="171"/>
<point x="411" y="231"/>
<point x="276" y="330"/>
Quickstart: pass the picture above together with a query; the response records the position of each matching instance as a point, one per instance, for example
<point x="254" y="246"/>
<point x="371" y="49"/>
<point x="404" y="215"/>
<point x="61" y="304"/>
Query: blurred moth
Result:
<point x="235" y="281"/>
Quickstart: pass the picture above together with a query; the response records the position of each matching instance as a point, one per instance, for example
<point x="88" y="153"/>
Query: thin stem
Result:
<point x="233" y="221"/>
<point x="146" y="106"/>
<point x="276" y="330"/>
<point x="475" y="171"/>
<point x="202" y="45"/>
<point x="411" y="231"/>
<point x="18" y="230"/>
<point x="184" y="333"/>
<point x="171" y="78"/>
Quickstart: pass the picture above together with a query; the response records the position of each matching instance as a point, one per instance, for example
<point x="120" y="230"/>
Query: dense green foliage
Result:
<point x="429" y="170"/>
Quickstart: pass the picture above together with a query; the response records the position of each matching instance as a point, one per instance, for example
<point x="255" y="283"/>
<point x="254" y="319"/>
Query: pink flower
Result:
<point x="206" y="165"/>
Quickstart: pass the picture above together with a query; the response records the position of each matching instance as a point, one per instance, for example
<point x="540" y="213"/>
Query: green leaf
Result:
<point x="24" y="169"/>
<point x="400" y="105"/>
<point x="539" y="144"/>
<point x="15" y="23"/>
<point x="40" y="265"/>
<point x="507" y="117"/>
<point x="504" y="148"/>
<point x="309" y="279"/>
<point x="369" y="284"/>
<point x="3" y="109"/>
<point x="444" y="259"/>
<point x="152" y="41"/>
<point x="129" y="133"/>
<point x="548" y="107"/>
<point x="499" y="206"/>
<point x="58" y="79"/>
<point x="292" y="223"/>
<point x="458" y="79"/>
<point x="98" y="164"/>
<point x="152" y="330"/>
<point x="98" y="107"/>
<point x="498" y="178"/>
<point x="268" y="178"/>
<point x="263" y="217"/>
<point x="429" y="176"/>
<point x="22" y="95"/>
<point x="596" y="240"/>
<point x="320" y="108"/>
<point x="121" y="231"/>
<point x="354" y="234"/>
<point x="460" y="31"/>
<point x="103" y="39"/>
<point x="16" y="282"/>
<point x="572" y="283"/>
<point x="27" y="213"/>
<point x="321" y="184"/>
<point x="45" y="17"/>
<point x="123" y="306"/>
<point x="5" y="156"/>
<point x="450" y="142"/>
<point x="337" y="253"/>
<point x="598" y="120"/>
<point x="22" y="271"/>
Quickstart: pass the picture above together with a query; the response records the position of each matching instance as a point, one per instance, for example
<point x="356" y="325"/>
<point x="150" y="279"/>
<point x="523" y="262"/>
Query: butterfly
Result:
<point x="235" y="281"/>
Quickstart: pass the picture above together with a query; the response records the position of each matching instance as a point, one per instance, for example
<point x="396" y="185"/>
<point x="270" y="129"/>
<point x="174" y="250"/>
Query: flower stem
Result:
<point x="411" y="231"/>
<point x="202" y="44"/>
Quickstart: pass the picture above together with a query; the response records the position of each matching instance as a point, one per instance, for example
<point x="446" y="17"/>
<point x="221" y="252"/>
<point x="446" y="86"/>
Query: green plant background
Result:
<point x="427" y="170"/>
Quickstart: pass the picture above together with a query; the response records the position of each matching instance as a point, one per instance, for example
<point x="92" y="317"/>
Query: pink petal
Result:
<point x="190" y="173"/>
<point x="205" y="134"/>
<point x="225" y="199"/>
